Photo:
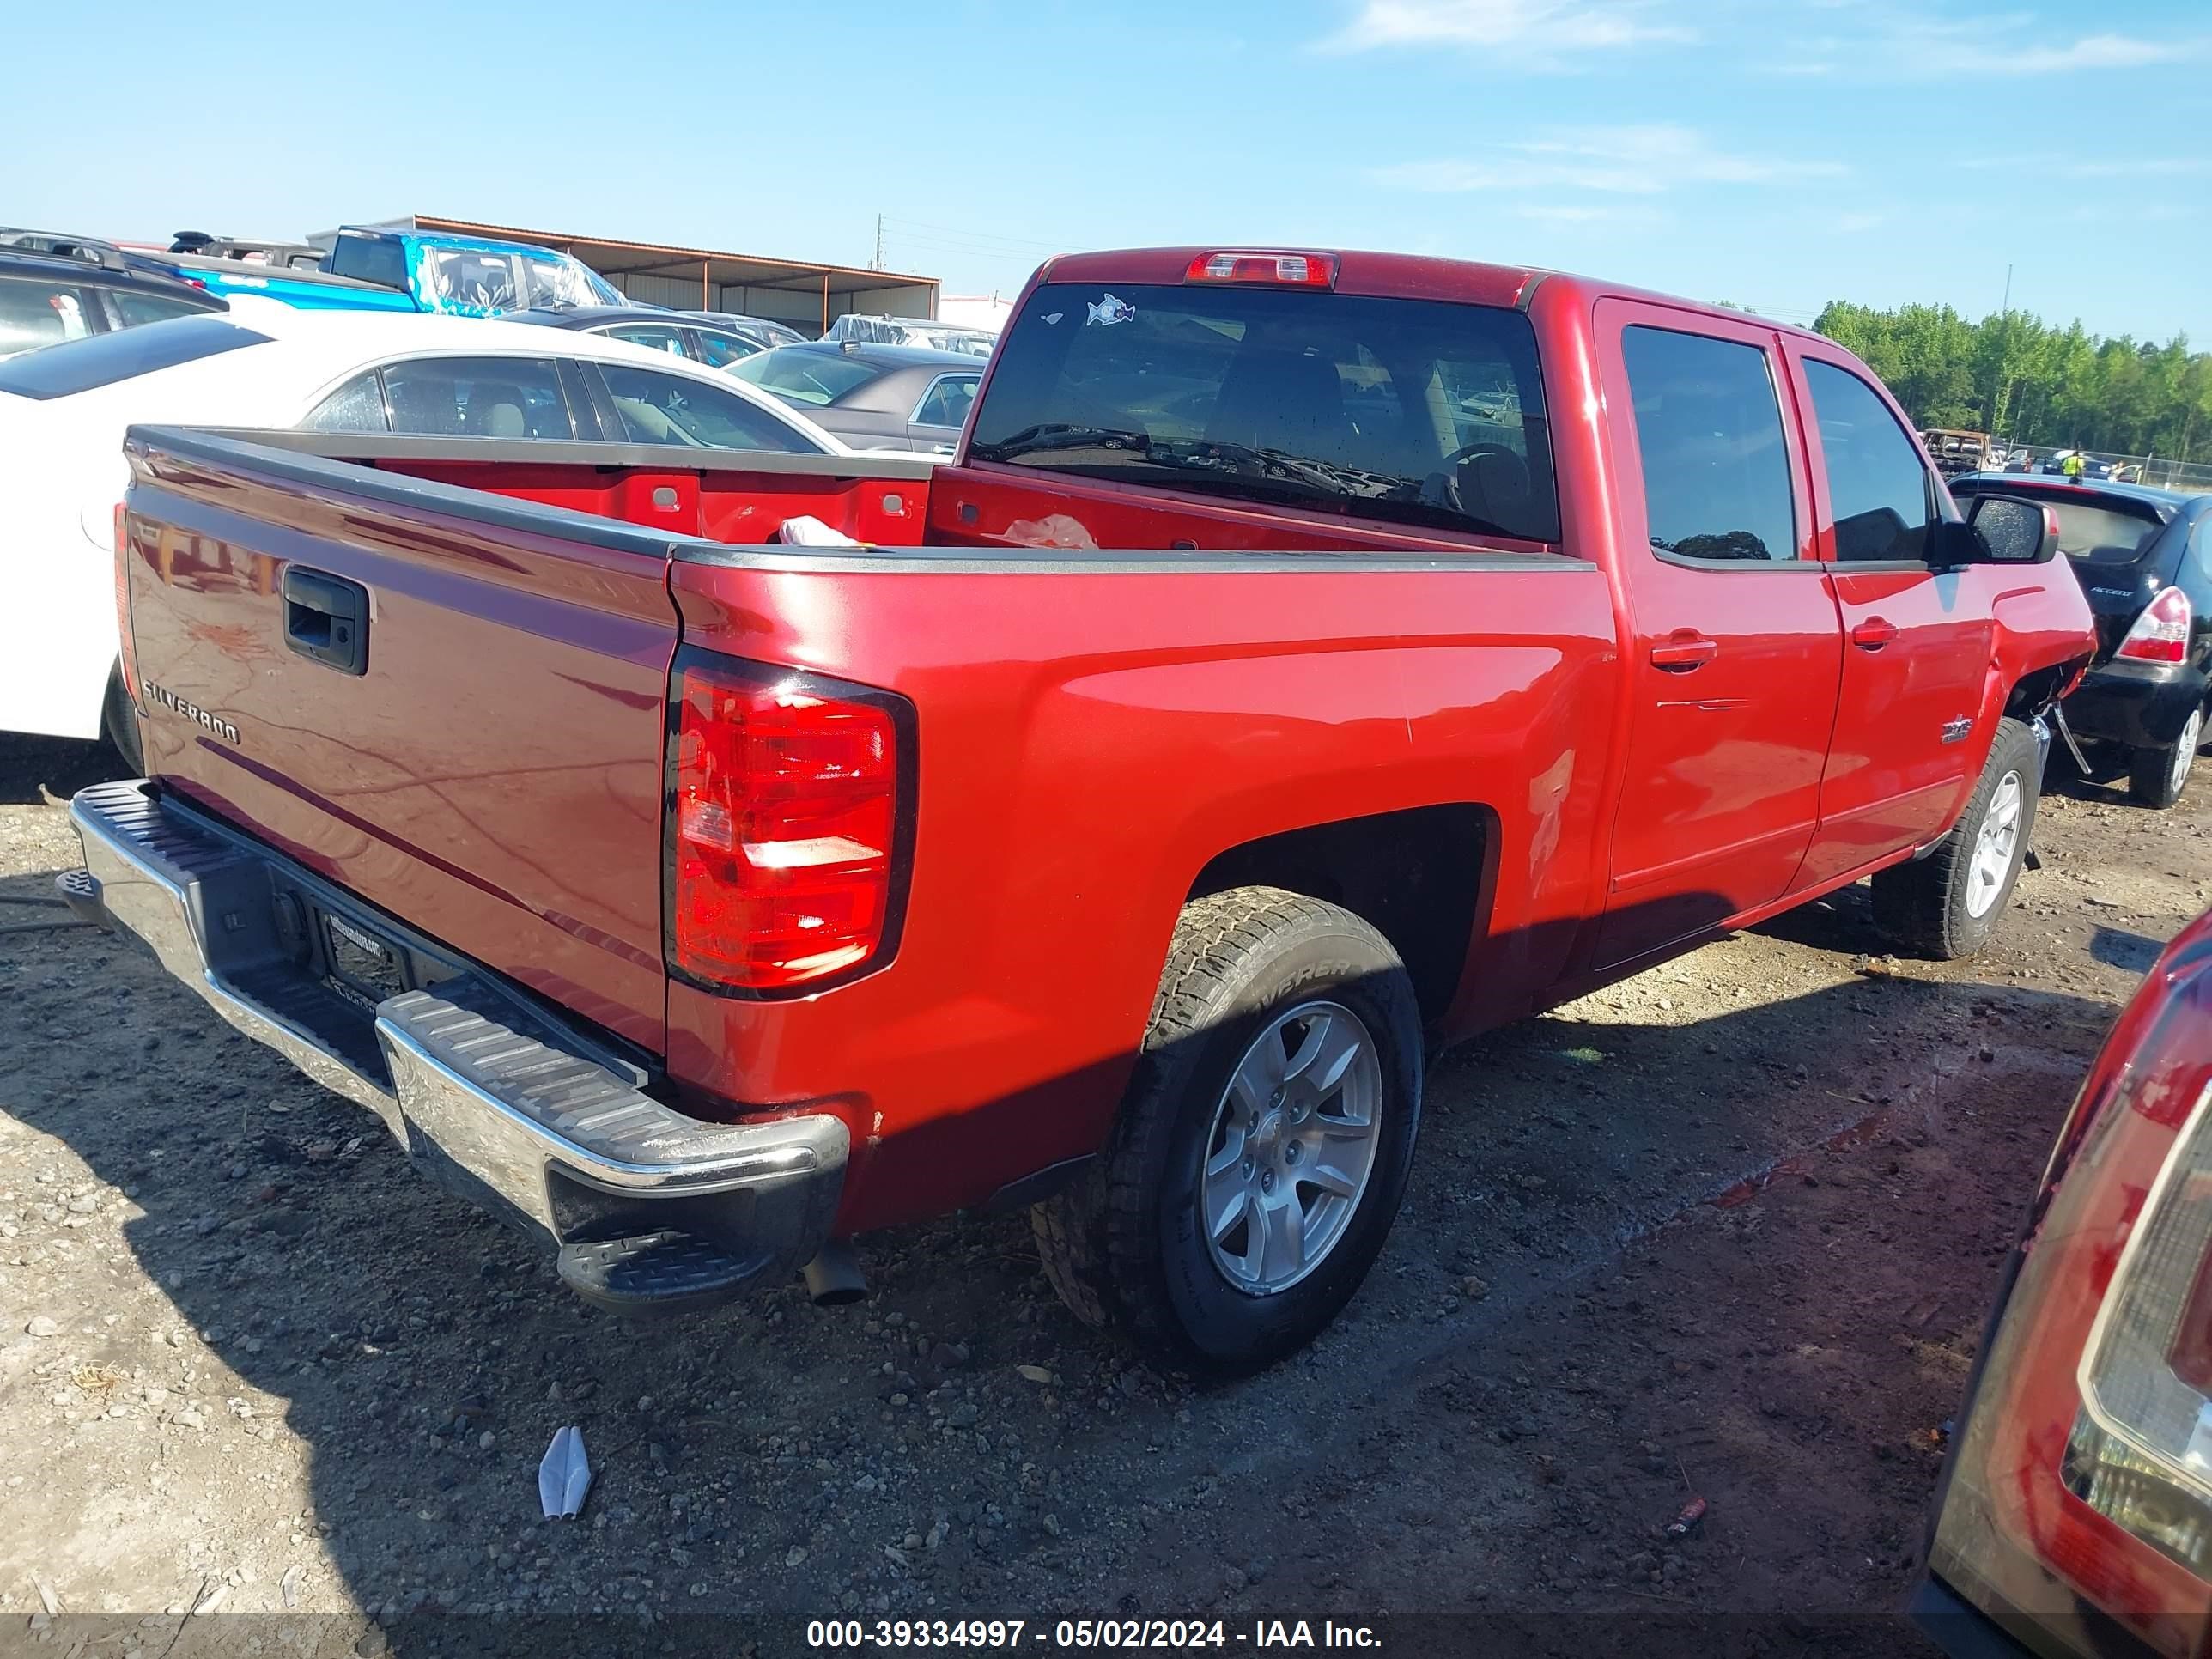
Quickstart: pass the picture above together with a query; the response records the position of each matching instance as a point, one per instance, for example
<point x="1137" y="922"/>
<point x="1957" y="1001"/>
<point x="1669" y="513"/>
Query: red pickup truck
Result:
<point x="1305" y="657"/>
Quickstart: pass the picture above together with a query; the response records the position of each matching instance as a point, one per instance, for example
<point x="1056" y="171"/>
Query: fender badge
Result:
<point x="1956" y="731"/>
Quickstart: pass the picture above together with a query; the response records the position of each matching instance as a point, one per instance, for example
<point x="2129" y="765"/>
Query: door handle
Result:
<point x="1680" y="652"/>
<point x="326" y="619"/>
<point x="1873" y="634"/>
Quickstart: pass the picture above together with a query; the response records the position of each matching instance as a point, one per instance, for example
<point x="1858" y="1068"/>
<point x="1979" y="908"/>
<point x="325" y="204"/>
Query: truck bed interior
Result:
<point x="742" y="498"/>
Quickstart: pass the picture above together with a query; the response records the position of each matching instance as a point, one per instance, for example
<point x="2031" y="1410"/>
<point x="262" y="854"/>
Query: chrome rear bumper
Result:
<point x="491" y="1096"/>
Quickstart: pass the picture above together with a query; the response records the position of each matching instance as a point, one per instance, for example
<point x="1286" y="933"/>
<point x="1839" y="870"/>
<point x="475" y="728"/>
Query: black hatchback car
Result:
<point x="874" y="397"/>
<point x="2144" y="559"/>
<point x="56" y="288"/>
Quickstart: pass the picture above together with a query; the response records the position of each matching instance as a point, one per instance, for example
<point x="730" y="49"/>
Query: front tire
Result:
<point x="1262" y="1148"/>
<point x="2156" y="777"/>
<point x="1947" y="904"/>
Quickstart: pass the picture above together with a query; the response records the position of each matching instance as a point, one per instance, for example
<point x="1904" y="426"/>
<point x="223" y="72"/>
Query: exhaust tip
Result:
<point x="834" y="1278"/>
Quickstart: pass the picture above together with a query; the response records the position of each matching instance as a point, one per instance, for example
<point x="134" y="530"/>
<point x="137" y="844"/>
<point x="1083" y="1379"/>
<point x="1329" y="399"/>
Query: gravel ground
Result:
<point x="1727" y="1230"/>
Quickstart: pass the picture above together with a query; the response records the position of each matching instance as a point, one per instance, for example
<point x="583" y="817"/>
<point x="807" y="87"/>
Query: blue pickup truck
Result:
<point x="467" y="275"/>
<point x="366" y="269"/>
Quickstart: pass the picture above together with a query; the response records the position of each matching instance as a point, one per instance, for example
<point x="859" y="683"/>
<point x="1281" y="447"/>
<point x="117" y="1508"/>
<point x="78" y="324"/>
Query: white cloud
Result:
<point x="2150" y="166"/>
<point x="1542" y="29"/>
<point x="1882" y="40"/>
<point x="1892" y="42"/>
<point x="2090" y="51"/>
<point x="1609" y="161"/>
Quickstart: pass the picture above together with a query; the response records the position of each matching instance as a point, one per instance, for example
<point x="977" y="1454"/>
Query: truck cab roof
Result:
<point x="1394" y="276"/>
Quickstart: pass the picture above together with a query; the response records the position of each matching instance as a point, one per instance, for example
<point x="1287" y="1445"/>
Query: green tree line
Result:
<point x="2015" y="375"/>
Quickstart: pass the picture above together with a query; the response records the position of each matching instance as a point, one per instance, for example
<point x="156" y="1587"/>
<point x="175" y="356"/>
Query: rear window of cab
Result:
<point x="1409" y="411"/>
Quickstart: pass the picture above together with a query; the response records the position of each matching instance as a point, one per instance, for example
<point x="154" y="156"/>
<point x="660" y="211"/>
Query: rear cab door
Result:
<point x="1733" y="639"/>
<point x="1913" y="721"/>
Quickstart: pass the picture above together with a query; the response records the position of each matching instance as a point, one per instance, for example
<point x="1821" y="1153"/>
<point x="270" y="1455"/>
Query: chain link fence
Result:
<point x="2155" y="470"/>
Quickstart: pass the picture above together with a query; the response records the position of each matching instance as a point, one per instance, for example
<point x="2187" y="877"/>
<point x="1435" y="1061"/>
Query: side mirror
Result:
<point x="2000" y="530"/>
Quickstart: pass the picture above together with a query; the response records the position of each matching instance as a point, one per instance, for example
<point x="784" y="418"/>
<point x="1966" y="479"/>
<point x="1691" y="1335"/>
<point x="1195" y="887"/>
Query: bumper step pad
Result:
<point x="664" y="1272"/>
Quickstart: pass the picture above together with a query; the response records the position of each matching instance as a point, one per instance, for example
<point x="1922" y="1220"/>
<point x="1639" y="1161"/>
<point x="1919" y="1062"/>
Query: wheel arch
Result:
<point x="1421" y="876"/>
<point x="2039" y="689"/>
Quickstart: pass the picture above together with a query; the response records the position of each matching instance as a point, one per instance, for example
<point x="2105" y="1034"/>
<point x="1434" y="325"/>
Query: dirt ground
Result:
<point x="1726" y="1232"/>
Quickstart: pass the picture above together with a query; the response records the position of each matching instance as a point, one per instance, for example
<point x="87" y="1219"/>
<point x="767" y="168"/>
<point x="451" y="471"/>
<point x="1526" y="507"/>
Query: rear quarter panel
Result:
<point x="1092" y="730"/>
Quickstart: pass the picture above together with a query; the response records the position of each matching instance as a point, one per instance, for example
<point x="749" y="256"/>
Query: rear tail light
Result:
<point x="2083" y="1476"/>
<point x="2141" y="1453"/>
<point x="129" y="655"/>
<point x="2161" y="632"/>
<point x="1282" y="270"/>
<point x="785" y="803"/>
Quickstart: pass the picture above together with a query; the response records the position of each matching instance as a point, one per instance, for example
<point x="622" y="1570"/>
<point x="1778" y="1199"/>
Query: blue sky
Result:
<point x="1774" y="154"/>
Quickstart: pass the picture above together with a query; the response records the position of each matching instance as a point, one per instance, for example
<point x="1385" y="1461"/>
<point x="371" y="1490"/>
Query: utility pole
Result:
<point x="878" y="263"/>
<point x="2005" y="310"/>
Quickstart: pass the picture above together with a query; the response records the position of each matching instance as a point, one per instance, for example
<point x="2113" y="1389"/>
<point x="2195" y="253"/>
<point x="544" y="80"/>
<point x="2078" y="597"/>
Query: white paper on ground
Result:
<point x="564" y="1475"/>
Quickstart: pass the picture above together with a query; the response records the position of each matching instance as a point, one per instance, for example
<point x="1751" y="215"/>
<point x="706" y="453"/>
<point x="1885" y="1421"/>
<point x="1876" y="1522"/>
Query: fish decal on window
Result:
<point x="1106" y="311"/>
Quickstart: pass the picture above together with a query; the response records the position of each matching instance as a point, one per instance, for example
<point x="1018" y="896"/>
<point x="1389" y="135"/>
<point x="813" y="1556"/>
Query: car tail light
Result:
<point x="2141" y="1452"/>
<point x="1284" y="269"/>
<point x="2161" y="632"/>
<point x="2083" y="1478"/>
<point x="785" y="803"/>
<point x="123" y="599"/>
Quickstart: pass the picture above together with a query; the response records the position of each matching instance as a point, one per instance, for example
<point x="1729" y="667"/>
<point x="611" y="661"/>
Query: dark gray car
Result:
<point x="874" y="397"/>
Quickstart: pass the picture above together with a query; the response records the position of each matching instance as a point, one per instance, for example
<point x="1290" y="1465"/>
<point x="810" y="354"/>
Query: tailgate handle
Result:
<point x="326" y="619"/>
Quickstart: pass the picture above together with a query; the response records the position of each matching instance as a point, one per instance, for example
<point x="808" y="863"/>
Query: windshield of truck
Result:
<point x="1411" y="412"/>
<point x="555" y="279"/>
<point x="974" y="341"/>
<point x="492" y="280"/>
<point x="472" y="279"/>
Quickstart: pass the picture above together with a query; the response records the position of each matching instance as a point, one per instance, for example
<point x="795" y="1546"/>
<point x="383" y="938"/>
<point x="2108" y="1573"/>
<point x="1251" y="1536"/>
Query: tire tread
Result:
<point x="1097" y="1240"/>
<point x="1916" y="905"/>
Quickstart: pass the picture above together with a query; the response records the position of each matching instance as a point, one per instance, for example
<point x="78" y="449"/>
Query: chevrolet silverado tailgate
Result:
<point x="447" y="703"/>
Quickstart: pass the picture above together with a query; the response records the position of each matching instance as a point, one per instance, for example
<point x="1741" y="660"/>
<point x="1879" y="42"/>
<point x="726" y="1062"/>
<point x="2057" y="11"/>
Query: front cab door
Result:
<point x="1735" y="647"/>
<point x="1912" y="726"/>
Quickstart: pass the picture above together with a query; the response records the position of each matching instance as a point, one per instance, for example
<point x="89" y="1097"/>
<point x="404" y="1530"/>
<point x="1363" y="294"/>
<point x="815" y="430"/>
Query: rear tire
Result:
<point x="1947" y="904"/>
<point x="2156" y="777"/>
<point x="118" y="724"/>
<point x="1138" y="1245"/>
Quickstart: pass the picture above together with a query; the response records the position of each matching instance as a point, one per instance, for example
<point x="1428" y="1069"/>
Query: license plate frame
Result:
<point x="363" y="968"/>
